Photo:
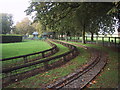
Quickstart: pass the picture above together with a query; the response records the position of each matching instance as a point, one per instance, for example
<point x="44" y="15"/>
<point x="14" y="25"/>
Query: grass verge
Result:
<point x="108" y="78"/>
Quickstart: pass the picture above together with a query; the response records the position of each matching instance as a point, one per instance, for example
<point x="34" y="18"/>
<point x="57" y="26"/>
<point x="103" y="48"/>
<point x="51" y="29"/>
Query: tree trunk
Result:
<point x="66" y="36"/>
<point x="83" y="36"/>
<point x="92" y="38"/>
<point x="97" y="39"/>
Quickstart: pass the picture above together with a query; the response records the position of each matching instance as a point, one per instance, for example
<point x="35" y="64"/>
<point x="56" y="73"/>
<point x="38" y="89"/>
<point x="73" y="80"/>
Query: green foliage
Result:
<point x="7" y="22"/>
<point x="24" y="27"/>
<point x="38" y="26"/>
<point x="76" y="18"/>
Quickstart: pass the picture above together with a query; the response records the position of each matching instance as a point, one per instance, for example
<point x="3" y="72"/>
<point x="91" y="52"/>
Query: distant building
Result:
<point x="35" y="35"/>
<point x="48" y="34"/>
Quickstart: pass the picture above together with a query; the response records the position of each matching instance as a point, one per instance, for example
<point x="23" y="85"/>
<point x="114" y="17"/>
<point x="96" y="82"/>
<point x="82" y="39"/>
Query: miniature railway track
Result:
<point x="80" y="78"/>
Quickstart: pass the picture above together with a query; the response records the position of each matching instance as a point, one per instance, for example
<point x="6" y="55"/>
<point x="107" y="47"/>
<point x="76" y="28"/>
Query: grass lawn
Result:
<point x="22" y="48"/>
<point x="10" y="63"/>
<point x="106" y="79"/>
<point x="109" y="77"/>
<point x="50" y="76"/>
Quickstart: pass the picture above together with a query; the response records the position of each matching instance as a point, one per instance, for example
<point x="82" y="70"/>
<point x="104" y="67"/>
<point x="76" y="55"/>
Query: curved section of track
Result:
<point x="80" y="78"/>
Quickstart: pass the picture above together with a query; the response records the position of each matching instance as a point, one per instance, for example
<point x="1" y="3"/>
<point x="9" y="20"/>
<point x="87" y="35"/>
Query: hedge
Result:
<point x="10" y="39"/>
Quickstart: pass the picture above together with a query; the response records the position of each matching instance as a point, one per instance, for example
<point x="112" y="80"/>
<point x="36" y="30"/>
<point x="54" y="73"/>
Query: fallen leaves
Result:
<point x="108" y="68"/>
<point x="94" y="81"/>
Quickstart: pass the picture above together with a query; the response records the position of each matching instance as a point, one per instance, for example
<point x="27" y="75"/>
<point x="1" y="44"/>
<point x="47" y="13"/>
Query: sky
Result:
<point x="16" y="8"/>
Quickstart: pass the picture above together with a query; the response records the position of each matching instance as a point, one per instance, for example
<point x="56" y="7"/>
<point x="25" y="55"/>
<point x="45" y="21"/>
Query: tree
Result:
<point x="24" y="27"/>
<point x="38" y="26"/>
<point x="7" y="22"/>
<point x="115" y="12"/>
<point x="51" y="13"/>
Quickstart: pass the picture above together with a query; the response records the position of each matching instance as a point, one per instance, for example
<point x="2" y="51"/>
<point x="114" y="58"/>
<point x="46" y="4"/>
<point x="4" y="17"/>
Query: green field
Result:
<point x="22" y="48"/>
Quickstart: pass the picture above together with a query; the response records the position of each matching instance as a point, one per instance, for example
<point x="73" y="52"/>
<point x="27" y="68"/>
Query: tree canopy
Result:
<point x="79" y="17"/>
<point x="24" y="27"/>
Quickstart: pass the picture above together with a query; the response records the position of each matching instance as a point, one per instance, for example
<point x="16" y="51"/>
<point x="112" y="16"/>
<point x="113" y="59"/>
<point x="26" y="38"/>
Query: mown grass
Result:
<point x="109" y="77"/>
<point x="23" y="48"/>
<point x="62" y="50"/>
<point x="50" y="76"/>
<point x="20" y="61"/>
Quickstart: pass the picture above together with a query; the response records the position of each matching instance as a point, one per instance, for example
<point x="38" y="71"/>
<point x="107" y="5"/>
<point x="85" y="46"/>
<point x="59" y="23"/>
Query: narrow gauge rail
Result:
<point x="80" y="78"/>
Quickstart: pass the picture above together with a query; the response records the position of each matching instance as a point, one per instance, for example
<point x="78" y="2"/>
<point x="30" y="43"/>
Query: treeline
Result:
<point x="25" y="27"/>
<point x="76" y="18"/>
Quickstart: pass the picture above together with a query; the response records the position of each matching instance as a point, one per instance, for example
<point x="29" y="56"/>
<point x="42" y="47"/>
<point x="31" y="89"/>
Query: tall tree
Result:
<point x="38" y="26"/>
<point x="7" y="22"/>
<point x="115" y="12"/>
<point x="24" y="27"/>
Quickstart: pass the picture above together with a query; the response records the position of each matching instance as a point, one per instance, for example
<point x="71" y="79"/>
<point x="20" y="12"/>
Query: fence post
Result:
<point x="115" y="41"/>
<point x="103" y="40"/>
<point x="86" y="38"/>
<point x="25" y="59"/>
<point x="97" y="39"/>
<point x="43" y="56"/>
<point x="46" y="65"/>
<point x="119" y="39"/>
<point x="109" y="41"/>
<point x="64" y="58"/>
<point x="52" y="51"/>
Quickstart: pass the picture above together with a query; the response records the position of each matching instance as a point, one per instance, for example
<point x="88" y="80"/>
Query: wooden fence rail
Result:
<point x="24" y="59"/>
<point x="25" y="56"/>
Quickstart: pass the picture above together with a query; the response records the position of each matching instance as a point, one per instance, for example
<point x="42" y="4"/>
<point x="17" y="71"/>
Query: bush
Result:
<point x="10" y="38"/>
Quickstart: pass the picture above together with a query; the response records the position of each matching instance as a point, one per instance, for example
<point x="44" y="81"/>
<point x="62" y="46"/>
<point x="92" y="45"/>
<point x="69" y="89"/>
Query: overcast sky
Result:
<point x="14" y="7"/>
